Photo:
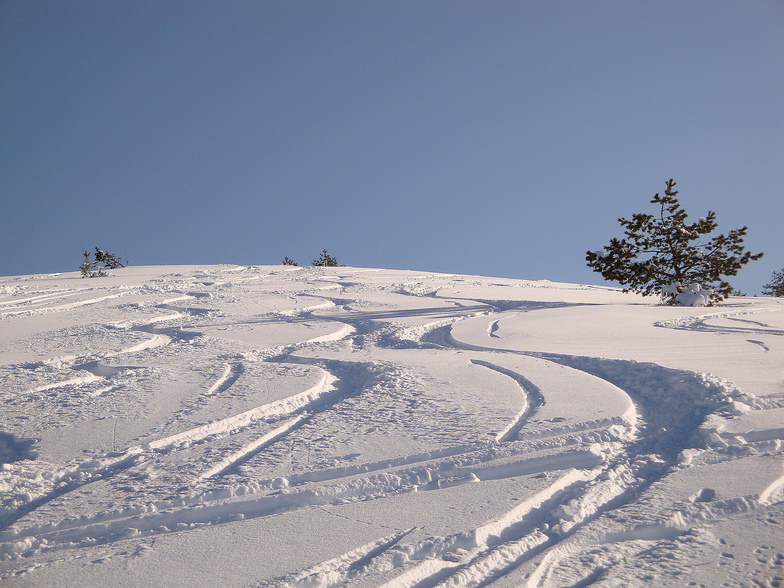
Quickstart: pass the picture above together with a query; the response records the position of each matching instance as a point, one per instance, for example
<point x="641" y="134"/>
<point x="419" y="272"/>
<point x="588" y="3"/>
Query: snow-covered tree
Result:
<point x="776" y="286"/>
<point x="661" y="252"/>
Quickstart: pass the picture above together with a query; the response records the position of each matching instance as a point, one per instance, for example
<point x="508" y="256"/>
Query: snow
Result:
<point x="674" y="288"/>
<point x="694" y="295"/>
<point x="278" y="426"/>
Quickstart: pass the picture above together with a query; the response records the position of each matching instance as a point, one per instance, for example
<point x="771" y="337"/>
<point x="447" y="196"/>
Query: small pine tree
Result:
<point x="776" y="286"/>
<point x="663" y="254"/>
<point x="88" y="267"/>
<point x="288" y="261"/>
<point x="93" y="269"/>
<point x="108" y="260"/>
<point x="325" y="260"/>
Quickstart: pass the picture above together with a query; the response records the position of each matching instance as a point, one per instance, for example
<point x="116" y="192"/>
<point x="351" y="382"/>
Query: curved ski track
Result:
<point x="593" y="468"/>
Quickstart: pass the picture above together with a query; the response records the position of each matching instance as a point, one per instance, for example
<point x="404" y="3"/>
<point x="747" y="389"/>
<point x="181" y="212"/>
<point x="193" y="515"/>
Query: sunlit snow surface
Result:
<point x="276" y="426"/>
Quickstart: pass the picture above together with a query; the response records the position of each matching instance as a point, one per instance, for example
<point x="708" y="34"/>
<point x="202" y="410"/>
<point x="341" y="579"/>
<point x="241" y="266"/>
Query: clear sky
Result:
<point x="494" y="138"/>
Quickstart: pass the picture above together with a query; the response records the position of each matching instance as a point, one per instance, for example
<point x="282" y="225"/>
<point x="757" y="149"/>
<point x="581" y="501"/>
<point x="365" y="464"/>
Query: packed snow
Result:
<point x="281" y="426"/>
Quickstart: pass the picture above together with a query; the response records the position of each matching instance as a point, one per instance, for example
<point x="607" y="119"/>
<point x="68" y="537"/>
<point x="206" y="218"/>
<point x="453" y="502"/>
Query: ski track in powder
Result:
<point x="446" y="437"/>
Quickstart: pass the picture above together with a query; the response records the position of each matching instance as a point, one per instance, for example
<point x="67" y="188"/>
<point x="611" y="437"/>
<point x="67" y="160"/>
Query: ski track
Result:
<point x="164" y="517"/>
<point x="230" y="374"/>
<point x="98" y="370"/>
<point x="533" y="400"/>
<point x="62" y="307"/>
<point x="70" y="382"/>
<point x="249" y="450"/>
<point x="488" y="560"/>
<point x="612" y="462"/>
<point x="225" y="426"/>
<point x="40" y="298"/>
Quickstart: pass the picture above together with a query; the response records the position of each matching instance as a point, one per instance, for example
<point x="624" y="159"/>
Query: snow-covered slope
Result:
<point x="274" y="426"/>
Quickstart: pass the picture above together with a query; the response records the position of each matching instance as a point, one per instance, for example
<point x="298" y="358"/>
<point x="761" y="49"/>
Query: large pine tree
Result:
<point x="664" y="249"/>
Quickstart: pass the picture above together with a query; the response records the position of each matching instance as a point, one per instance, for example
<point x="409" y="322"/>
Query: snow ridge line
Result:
<point x="358" y="469"/>
<point x="337" y="571"/>
<point x="230" y="374"/>
<point x="465" y="467"/>
<point x="100" y="468"/>
<point x="445" y="473"/>
<point x="533" y="399"/>
<point x="156" y="340"/>
<point x="442" y="554"/>
<point x="494" y="563"/>
<point x="614" y="488"/>
<point x="576" y="507"/>
<point x="549" y="561"/>
<point x="643" y="381"/>
<point x="342" y="332"/>
<point x="168" y="516"/>
<point x="363" y="468"/>
<point x="687" y="322"/>
<point x="664" y="395"/>
<point x="517" y="527"/>
<point x="622" y="427"/>
<point x="418" y="333"/>
<point x="159" y="319"/>
<point x="68" y="306"/>
<point x="42" y="297"/>
<point x="306" y="309"/>
<point x="669" y="423"/>
<point x="773" y="493"/>
<point x="492" y="328"/>
<point x="68" y="481"/>
<point x="225" y="426"/>
<point x="71" y="382"/>
<point x="495" y="531"/>
<point x="247" y="451"/>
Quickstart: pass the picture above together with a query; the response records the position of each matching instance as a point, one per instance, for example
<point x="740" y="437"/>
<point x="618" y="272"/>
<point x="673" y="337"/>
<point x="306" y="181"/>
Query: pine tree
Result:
<point x="288" y="261"/>
<point x="93" y="269"/>
<point x="325" y="260"/>
<point x="108" y="260"/>
<point x="665" y="250"/>
<point x="776" y="286"/>
<point x="88" y="266"/>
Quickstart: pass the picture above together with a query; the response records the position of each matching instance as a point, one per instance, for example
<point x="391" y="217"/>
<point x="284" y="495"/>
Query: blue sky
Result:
<point x="493" y="138"/>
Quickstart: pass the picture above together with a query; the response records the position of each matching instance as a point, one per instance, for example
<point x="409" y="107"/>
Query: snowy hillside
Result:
<point x="276" y="426"/>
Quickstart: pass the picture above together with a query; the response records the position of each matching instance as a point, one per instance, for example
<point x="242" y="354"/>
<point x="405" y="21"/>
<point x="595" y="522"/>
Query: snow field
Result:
<point x="267" y="426"/>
